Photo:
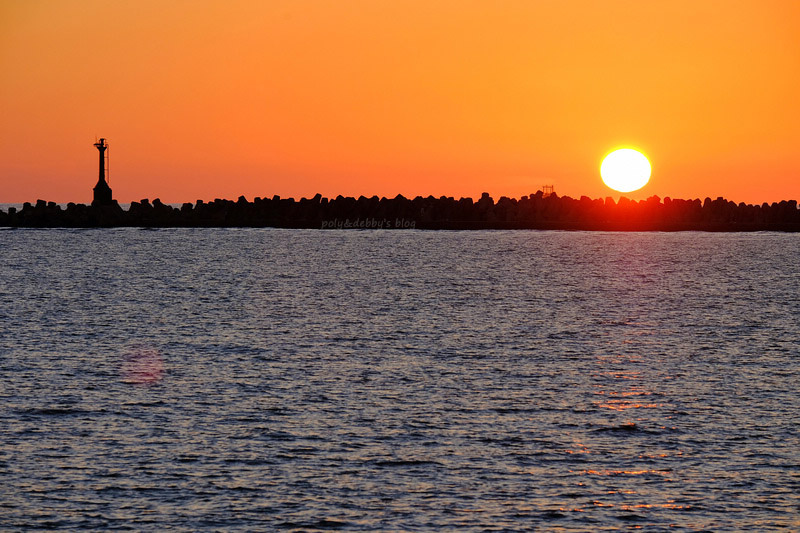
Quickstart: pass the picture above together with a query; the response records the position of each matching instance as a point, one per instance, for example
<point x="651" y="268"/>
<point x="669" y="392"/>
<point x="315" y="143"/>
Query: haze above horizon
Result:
<point x="208" y="99"/>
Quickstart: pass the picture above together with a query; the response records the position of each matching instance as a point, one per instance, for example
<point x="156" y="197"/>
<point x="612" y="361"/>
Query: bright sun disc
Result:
<point x="625" y="170"/>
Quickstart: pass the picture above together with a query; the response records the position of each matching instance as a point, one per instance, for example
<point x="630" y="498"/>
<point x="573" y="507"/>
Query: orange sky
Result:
<point x="213" y="99"/>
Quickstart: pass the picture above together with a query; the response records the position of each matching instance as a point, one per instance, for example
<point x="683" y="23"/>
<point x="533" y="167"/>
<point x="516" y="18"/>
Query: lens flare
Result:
<point x="142" y="365"/>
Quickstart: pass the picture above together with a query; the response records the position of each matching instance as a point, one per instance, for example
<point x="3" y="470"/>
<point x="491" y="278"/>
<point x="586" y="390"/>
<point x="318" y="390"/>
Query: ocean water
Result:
<point x="289" y="380"/>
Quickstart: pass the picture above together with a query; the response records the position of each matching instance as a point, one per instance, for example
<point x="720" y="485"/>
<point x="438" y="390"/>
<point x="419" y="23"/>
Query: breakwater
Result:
<point x="535" y="211"/>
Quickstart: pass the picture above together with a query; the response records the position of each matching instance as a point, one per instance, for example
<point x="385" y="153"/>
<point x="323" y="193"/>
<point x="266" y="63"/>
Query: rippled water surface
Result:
<point x="398" y="381"/>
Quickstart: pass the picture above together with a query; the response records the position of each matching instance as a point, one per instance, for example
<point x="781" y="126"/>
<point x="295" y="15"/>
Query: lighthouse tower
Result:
<point x="102" y="192"/>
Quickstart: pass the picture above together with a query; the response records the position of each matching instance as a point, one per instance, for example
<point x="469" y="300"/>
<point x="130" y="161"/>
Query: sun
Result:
<point x="625" y="170"/>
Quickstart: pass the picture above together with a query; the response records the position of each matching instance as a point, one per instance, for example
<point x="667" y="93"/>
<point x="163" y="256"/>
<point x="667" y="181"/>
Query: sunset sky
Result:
<point x="204" y="99"/>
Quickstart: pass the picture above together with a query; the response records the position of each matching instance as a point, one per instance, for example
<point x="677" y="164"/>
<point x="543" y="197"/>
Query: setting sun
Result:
<point x="625" y="170"/>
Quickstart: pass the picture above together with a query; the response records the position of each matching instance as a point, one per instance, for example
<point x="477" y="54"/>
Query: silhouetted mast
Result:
<point x="102" y="146"/>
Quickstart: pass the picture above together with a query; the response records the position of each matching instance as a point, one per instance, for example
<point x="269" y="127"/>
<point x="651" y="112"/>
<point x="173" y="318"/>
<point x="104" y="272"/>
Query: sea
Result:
<point x="374" y="380"/>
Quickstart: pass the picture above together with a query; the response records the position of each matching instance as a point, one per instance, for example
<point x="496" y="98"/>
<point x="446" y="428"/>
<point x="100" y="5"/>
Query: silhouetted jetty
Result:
<point x="536" y="211"/>
<point x="543" y="210"/>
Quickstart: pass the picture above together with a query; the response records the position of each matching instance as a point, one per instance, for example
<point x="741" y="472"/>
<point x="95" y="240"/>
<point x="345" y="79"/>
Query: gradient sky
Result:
<point x="205" y="99"/>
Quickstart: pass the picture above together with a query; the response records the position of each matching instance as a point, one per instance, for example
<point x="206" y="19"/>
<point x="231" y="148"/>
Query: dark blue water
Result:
<point x="398" y="381"/>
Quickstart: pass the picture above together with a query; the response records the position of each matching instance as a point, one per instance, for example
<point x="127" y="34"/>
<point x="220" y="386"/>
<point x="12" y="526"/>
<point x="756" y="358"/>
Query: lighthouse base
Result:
<point x="102" y="194"/>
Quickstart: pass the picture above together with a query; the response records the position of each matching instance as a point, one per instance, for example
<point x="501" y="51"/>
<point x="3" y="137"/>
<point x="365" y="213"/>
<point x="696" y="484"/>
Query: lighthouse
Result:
<point x="102" y="192"/>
